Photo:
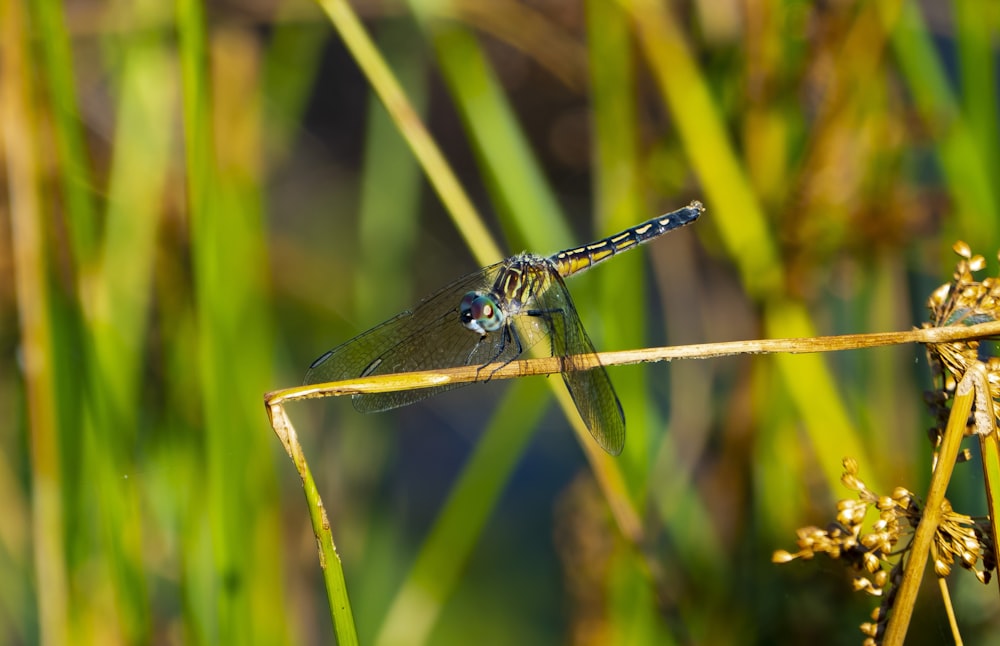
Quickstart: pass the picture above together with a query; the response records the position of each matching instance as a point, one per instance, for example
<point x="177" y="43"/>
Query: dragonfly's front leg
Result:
<point x="472" y="353"/>
<point x="508" y="336"/>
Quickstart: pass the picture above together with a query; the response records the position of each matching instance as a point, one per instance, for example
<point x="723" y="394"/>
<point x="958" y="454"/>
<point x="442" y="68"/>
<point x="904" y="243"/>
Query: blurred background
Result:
<point x="201" y="198"/>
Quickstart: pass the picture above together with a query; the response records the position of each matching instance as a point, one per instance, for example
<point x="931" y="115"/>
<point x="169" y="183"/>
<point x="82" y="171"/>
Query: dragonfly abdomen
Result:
<point x="572" y="261"/>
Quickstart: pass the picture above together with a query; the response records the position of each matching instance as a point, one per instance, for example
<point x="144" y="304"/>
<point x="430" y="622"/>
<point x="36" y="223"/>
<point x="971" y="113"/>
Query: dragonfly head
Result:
<point x="480" y="313"/>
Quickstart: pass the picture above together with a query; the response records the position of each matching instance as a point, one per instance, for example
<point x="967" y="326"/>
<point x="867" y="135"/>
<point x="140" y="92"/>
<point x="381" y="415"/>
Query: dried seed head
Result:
<point x="877" y="556"/>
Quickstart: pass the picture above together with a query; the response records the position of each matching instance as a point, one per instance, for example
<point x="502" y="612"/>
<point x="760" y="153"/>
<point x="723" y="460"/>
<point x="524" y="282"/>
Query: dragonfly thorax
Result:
<point x="481" y="313"/>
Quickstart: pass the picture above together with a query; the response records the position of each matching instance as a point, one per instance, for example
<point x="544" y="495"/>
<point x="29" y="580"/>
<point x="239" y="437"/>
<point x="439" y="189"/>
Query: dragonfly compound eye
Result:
<point x="465" y="308"/>
<point x="479" y="313"/>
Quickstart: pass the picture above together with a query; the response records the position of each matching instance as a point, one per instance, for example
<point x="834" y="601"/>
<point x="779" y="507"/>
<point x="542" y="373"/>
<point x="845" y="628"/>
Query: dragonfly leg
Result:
<point x="468" y="360"/>
<point x="510" y="335"/>
<point x="496" y="355"/>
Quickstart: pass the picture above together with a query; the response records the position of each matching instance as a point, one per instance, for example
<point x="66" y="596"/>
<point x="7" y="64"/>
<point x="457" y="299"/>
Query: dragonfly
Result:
<point x="491" y="317"/>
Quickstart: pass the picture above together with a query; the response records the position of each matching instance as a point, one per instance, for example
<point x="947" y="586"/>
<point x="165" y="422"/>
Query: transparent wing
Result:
<point x="428" y="336"/>
<point x="591" y="389"/>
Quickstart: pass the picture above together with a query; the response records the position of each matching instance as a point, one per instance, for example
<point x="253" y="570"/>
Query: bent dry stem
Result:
<point x="625" y="516"/>
<point x="329" y="560"/>
<point x="552" y="365"/>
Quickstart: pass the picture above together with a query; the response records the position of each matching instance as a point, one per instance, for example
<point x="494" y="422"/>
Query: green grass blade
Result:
<point x="19" y="122"/>
<point x="116" y="306"/>
<point x="633" y="605"/>
<point x="389" y="231"/>
<point x="990" y="448"/>
<point x="391" y="189"/>
<point x="223" y="147"/>
<point x="733" y="208"/>
<point x="457" y="529"/>
<point x="617" y="170"/>
<point x="291" y="67"/>
<point x="57" y="61"/>
<point x="511" y="171"/>
<point x="333" y="572"/>
<point x="732" y="205"/>
<point x="966" y="171"/>
<point x="815" y="394"/>
<point x="976" y="22"/>
<point x="413" y="130"/>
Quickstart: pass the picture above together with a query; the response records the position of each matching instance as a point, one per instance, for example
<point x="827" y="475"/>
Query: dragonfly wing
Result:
<point x="428" y="336"/>
<point x="591" y="388"/>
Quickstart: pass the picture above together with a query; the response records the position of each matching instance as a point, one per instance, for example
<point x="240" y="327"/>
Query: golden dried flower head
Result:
<point x="963" y="301"/>
<point x="877" y="555"/>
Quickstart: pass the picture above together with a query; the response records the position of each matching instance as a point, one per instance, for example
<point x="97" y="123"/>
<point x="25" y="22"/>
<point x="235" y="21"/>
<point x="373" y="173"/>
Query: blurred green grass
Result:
<point x="203" y="199"/>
